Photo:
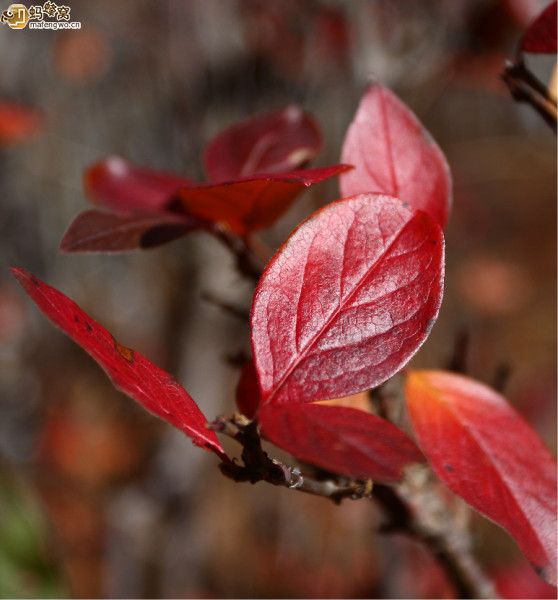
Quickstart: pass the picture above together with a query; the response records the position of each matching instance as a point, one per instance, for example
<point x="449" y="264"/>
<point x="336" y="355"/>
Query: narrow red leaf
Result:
<point x="343" y="440"/>
<point x="118" y="184"/>
<point x="393" y="154"/>
<point x="130" y="372"/>
<point x="540" y="37"/>
<point x="248" y="391"/>
<point x="18" y="123"/>
<point x="347" y="300"/>
<point x="254" y="203"/>
<point x="489" y="456"/>
<point x="279" y="141"/>
<point x="99" y="231"/>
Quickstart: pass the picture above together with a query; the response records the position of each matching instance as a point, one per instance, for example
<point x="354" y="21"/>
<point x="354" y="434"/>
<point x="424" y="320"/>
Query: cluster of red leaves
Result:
<point x="254" y="176"/>
<point x="341" y="307"/>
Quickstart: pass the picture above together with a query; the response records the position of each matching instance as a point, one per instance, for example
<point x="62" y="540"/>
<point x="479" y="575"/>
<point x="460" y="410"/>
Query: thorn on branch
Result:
<point x="501" y="377"/>
<point x="459" y="360"/>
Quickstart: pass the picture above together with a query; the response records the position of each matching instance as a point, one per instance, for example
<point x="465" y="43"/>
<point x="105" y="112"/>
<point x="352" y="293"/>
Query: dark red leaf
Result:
<point x="540" y="37"/>
<point x="393" y="154"/>
<point x="130" y="372"/>
<point x="489" y="456"/>
<point x="248" y="391"/>
<point x="121" y="185"/>
<point x="347" y="300"/>
<point x="99" y="231"/>
<point x="272" y="143"/>
<point x="342" y="440"/>
<point x="254" y="203"/>
<point x="519" y="581"/>
<point x="18" y="123"/>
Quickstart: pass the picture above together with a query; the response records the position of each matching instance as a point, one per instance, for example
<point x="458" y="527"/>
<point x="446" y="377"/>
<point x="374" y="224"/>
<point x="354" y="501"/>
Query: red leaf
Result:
<point x="248" y="391"/>
<point x="347" y="300"/>
<point x="99" y="231"/>
<point x="255" y="203"/>
<point x="540" y="37"/>
<point x="519" y="581"/>
<point x="487" y="454"/>
<point x="121" y="185"/>
<point x="272" y="143"/>
<point x="393" y="154"/>
<point x="130" y="372"/>
<point x="17" y="123"/>
<point x="342" y="440"/>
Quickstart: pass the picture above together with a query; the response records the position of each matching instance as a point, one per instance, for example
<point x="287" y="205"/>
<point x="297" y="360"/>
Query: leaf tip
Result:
<point x="26" y="280"/>
<point x="20" y="274"/>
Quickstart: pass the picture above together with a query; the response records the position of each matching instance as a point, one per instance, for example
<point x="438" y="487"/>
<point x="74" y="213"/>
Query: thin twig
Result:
<point x="247" y="262"/>
<point x="451" y="547"/>
<point x="525" y="87"/>
<point x="258" y="466"/>
<point x="227" y="307"/>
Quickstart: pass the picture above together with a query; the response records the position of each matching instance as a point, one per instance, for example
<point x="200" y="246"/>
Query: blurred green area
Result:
<point x="26" y="571"/>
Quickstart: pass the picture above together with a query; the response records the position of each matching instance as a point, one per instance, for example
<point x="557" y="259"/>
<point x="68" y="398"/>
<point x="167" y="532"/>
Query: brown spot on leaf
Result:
<point x="124" y="351"/>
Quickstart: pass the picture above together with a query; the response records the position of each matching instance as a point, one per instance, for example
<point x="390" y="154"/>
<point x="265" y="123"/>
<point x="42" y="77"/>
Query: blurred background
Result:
<point x="99" y="499"/>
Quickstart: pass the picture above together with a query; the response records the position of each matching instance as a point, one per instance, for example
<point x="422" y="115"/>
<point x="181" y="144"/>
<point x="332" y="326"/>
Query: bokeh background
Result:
<point x="99" y="499"/>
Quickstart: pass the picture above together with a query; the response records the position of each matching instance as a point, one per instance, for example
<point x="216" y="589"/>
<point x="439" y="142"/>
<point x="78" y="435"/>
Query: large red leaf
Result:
<point x="540" y="37"/>
<point x="130" y="372"/>
<point x="393" y="154"/>
<point x="118" y="184"/>
<point x="343" y="440"/>
<point x="254" y="203"/>
<point x="347" y="300"/>
<point x="279" y="141"/>
<point x="487" y="454"/>
<point x="99" y="231"/>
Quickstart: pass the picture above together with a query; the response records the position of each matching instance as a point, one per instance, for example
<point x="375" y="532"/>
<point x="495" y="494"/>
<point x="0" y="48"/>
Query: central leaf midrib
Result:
<point x="316" y="337"/>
